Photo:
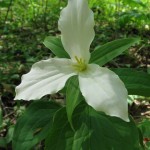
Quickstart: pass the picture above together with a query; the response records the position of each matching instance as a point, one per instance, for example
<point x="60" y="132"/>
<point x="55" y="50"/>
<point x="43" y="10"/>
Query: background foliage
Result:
<point x="23" y="28"/>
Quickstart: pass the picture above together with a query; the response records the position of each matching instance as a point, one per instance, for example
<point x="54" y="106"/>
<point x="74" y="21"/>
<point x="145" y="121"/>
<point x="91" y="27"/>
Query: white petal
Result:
<point x="76" y="25"/>
<point x="46" y="77"/>
<point x="104" y="91"/>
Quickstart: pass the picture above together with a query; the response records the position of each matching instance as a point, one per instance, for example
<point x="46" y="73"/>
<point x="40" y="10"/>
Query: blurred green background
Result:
<point x="25" y="23"/>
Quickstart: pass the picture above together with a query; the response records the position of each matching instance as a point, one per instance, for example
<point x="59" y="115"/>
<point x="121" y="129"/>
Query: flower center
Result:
<point x="80" y="65"/>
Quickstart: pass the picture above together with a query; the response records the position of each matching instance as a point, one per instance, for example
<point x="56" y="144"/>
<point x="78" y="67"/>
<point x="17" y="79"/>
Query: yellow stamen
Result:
<point x="80" y="65"/>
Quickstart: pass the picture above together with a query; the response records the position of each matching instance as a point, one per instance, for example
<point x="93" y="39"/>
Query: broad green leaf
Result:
<point x="110" y="133"/>
<point x="93" y="131"/>
<point x="136" y="82"/>
<point x="73" y="96"/>
<point x="62" y="137"/>
<point x="61" y="134"/>
<point x="55" y="45"/>
<point x="32" y="127"/>
<point x="103" y="54"/>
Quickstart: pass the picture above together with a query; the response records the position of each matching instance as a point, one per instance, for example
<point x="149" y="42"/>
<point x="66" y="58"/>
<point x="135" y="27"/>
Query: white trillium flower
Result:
<point x="101" y="88"/>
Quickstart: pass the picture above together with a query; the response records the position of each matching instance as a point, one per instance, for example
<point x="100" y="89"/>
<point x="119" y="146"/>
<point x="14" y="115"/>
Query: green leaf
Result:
<point x="4" y="4"/>
<point x="103" y="54"/>
<point x="1" y="116"/>
<point x="145" y="128"/>
<point x="93" y="130"/>
<point x="110" y="133"/>
<point x="8" y="138"/>
<point x="55" y="45"/>
<point x="62" y="137"/>
<point x="60" y="134"/>
<point x="3" y="143"/>
<point x="32" y="127"/>
<point x="136" y="82"/>
<point x="134" y="3"/>
<point x="73" y="97"/>
<point x="10" y="133"/>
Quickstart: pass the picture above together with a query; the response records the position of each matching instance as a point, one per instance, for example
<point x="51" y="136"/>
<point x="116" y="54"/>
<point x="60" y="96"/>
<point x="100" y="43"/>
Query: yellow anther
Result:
<point x="80" y="65"/>
<point x="78" y="60"/>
